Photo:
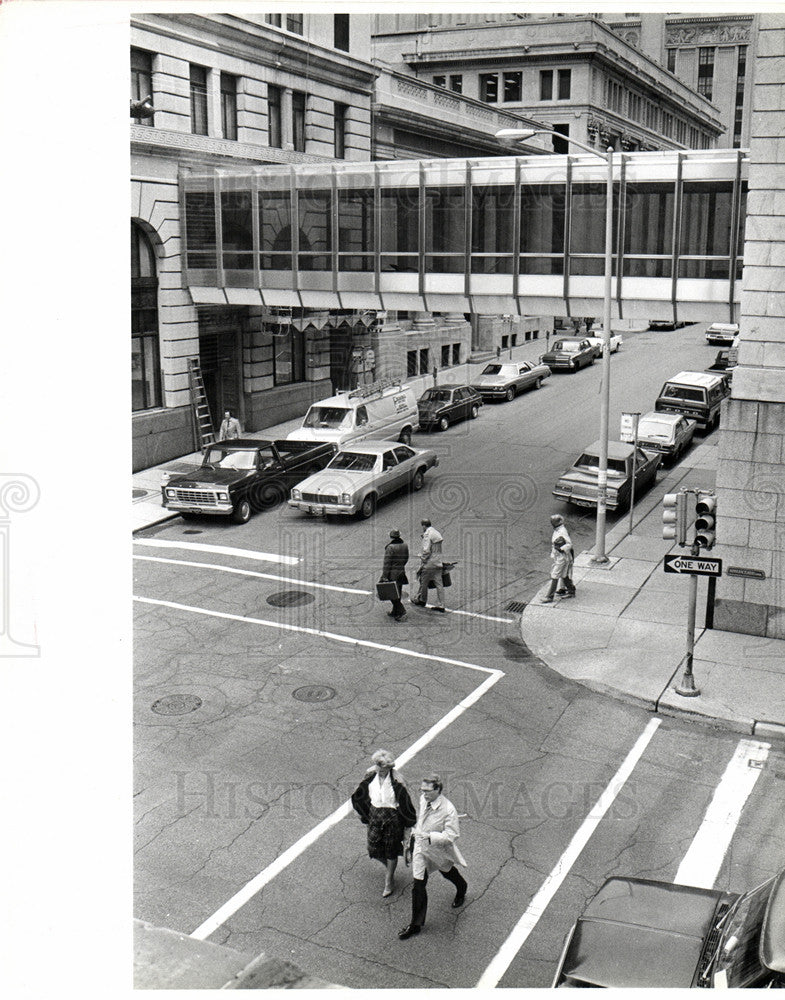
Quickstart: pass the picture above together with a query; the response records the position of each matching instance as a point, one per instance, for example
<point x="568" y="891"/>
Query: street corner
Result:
<point x="719" y="699"/>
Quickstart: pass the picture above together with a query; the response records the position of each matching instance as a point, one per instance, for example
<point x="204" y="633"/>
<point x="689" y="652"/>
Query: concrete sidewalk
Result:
<point x="625" y="633"/>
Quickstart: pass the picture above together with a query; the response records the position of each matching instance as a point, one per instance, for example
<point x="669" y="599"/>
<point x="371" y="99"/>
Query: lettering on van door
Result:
<point x="399" y="402"/>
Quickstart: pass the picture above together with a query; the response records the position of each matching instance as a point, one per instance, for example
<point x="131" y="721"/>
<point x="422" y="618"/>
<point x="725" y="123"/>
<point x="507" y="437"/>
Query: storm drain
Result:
<point x="192" y="531"/>
<point x="176" y="704"/>
<point x="314" y="692"/>
<point x="516" y="606"/>
<point x="290" y="598"/>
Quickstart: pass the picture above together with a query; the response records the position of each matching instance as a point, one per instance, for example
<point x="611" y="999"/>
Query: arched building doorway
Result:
<point x="145" y="353"/>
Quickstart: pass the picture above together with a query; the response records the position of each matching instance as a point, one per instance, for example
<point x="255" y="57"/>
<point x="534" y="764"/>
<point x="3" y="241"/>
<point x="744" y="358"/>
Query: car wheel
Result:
<point x="474" y="411"/>
<point x="573" y="366"/>
<point x="405" y="437"/>
<point x="538" y="383"/>
<point x="418" y="479"/>
<point x="444" y="423"/>
<point x="242" y="512"/>
<point x="510" y="394"/>
<point x="368" y="506"/>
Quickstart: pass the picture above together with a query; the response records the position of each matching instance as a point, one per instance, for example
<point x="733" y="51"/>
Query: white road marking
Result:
<point x="251" y="572"/>
<point x="287" y="579"/>
<point x="701" y="864"/>
<point x="240" y="898"/>
<point x="504" y="957"/>
<point x="224" y="550"/>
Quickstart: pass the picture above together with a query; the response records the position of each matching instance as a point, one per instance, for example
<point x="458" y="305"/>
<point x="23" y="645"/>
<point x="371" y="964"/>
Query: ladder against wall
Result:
<point x="204" y="425"/>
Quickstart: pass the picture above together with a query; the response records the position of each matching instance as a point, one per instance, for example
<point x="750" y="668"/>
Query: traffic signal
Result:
<point x="674" y="517"/>
<point x="706" y="519"/>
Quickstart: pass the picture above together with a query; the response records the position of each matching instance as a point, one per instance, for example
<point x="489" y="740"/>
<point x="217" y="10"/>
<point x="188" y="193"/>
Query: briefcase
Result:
<point x="387" y="590"/>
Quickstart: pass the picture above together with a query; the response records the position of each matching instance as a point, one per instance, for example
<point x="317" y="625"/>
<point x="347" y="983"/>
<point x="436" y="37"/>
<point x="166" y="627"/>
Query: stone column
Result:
<point x="751" y="452"/>
<point x="388" y="347"/>
<point x="486" y="329"/>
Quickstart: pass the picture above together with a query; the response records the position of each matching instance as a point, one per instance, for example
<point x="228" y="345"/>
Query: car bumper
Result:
<point x="611" y="502"/>
<point x="320" y="509"/>
<point x="491" y="392"/>
<point x="181" y="507"/>
<point x="719" y="338"/>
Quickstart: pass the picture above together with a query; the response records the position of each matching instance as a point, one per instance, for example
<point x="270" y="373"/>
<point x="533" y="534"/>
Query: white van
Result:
<point x="385" y="410"/>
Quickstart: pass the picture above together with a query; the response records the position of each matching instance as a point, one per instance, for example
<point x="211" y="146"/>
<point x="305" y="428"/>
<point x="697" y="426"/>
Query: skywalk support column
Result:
<point x="751" y="452"/>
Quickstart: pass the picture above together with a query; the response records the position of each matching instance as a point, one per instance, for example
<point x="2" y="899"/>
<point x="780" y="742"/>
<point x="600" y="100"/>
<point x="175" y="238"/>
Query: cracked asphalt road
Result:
<point x="222" y="791"/>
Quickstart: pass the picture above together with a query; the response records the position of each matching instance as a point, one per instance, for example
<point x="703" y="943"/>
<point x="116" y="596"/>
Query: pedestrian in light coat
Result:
<point x="431" y="566"/>
<point x="433" y="848"/>
<point x="562" y="556"/>
<point x="230" y="427"/>
<point x="396" y="555"/>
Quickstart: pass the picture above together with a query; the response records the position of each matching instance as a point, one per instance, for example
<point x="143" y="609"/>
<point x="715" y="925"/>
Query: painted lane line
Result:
<point x="251" y="572"/>
<point x="224" y="550"/>
<point x="702" y="862"/>
<point x="504" y="957"/>
<point x="243" y="895"/>
<point x="319" y="632"/>
<point x="258" y="882"/>
<point x="301" y="583"/>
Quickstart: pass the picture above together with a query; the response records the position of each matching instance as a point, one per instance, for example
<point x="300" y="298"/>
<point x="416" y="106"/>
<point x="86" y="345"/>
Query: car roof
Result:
<point x="663" y="418"/>
<point x="616" y="449"/>
<point x="372" y="447"/>
<point x="705" y="379"/>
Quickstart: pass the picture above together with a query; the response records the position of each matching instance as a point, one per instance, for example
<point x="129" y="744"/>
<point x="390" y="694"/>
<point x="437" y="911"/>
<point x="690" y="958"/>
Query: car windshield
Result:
<point x="353" y="461"/>
<point x="738" y="954"/>
<point x="496" y="370"/>
<point x="222" y="458"/>
<point x="568" y="346"/>
<point x="591" y="463"/>
<point x="328" y="416"/>
<point x="659" y="429"/>
<point x="436" y="396"/>
<point x="671" y="391"/>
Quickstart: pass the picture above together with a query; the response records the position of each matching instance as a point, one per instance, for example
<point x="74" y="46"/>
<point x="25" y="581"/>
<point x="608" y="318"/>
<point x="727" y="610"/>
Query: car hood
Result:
<point x="209" y="478"/>
<point x="335" y="482"/>
<point x="492" y="379"/>
<point x="640" y="933"/>
<point x="431" y="407"/>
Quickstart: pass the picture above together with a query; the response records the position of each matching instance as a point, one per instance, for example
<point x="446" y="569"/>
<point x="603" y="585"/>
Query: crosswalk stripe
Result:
<point x="701" y="864"/>
<point x="251" y="572"/>
<point x="224" y="550"/>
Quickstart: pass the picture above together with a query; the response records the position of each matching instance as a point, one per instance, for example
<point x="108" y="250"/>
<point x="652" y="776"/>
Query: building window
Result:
<point x="564" y="84"/>
<point x="411" y="364"/>
<point x="456" y="83"/>
<point x="274" y="137"/>
<point x="141" y="79"/>
<point x="298" y="120"/>
<point x="445" y="356"/>
<point x="512" y="86"/>
<point x="671" y="60"/>
<point x="198" y="100"/>
<point x="489" y="87"/>
<point x="706" y="72"/>
<point x="273" y="19"/>
<point x="339" y="126"/>
<point x="145" y="363"/>
<point x="424" y="352"/>
<point x="440" y="81"/>
<point x="456" y="354"/>
<point x="341" y="31"/>
<point x="294" y="22"/>
<point x="546" y="84"/>
<point x="738" y="118"/>
<point x="288" y="355"/>
<point x="561" y="145"/>
<point x="229" y="105"/>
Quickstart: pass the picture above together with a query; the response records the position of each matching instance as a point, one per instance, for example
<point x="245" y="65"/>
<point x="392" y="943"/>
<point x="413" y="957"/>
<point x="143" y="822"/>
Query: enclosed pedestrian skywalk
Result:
<point x="510" y="235"/>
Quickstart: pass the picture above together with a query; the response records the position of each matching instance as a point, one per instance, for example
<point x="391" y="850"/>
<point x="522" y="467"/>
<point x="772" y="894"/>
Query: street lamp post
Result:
<point x="519" y="134"/>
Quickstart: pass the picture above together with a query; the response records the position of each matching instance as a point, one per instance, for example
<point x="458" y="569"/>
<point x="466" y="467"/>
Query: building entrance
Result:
<point x="220" y="356"/>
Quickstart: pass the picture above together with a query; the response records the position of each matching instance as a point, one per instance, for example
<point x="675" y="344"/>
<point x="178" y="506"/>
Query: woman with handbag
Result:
<point x="383" y="804"/>
<point x="396" y="555"/>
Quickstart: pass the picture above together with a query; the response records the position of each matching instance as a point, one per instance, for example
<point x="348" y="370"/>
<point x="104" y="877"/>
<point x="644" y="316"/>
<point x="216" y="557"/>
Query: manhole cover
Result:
<point x="314" y="692"/>
<point x="289" y="598"/>
<point x="176" y="704"/>
<point x="516" y="606"/>
<point x="192" y="531"/>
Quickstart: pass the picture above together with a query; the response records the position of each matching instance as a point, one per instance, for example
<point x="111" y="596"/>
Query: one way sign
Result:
<point x="693" y="564"/>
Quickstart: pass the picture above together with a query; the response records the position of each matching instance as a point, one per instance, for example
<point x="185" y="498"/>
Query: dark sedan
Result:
<point x="570" y="354"/>
<point x="447" y="404"/>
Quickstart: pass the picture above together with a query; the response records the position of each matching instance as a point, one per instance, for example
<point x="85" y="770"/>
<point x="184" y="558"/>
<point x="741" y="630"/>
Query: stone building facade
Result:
<point x="751" y="469"/>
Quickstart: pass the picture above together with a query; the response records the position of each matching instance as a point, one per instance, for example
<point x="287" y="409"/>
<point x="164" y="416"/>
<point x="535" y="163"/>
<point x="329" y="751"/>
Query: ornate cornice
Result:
<point x="174" y="143"/>
<point x="708" y="32"/>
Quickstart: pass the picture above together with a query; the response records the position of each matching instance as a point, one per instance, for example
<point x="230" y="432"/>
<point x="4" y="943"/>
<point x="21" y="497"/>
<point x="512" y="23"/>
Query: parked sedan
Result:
<point x="570" y="354"/>
<point x="721" y="333"/>
<point x="505" y="379"/>
<point x="578" y="485"/>
<point x="447" y="404"/>
<point x="595" y="339"/>
<point x="361" y="475"/>
<point x="670" y="434"/>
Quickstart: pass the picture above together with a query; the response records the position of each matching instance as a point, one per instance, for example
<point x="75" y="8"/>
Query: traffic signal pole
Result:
<point x="686" y="686"/>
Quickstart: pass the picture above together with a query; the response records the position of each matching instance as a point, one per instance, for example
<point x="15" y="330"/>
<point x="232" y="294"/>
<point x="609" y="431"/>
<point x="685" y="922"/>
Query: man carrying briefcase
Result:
<point x="396" y="555"/>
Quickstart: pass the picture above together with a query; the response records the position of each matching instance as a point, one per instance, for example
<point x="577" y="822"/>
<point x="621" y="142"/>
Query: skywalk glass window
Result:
<point x="356" y="226"/>
<point x="648" y="230"/>
<point x="237" y="230"/>
<point x="542" y="228"/>
<point x="200" y="230"/>
<point x="445" y="232"/>
<point x="275" y="230"/>
<point x="492" y="229"/>
<point x="399" y="229"/>
<point x="706" y="228"/>
<point x="314" y="211"/>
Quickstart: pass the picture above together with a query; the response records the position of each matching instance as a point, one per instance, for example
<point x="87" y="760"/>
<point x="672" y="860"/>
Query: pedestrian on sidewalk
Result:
<point x="433" y="847"/>
<point x="431" y="566"/>
<point x="230" y="427"/>
<point x="396" y="555"/>
<point x="383" y="804"/>
<point x="562" y="556"/>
